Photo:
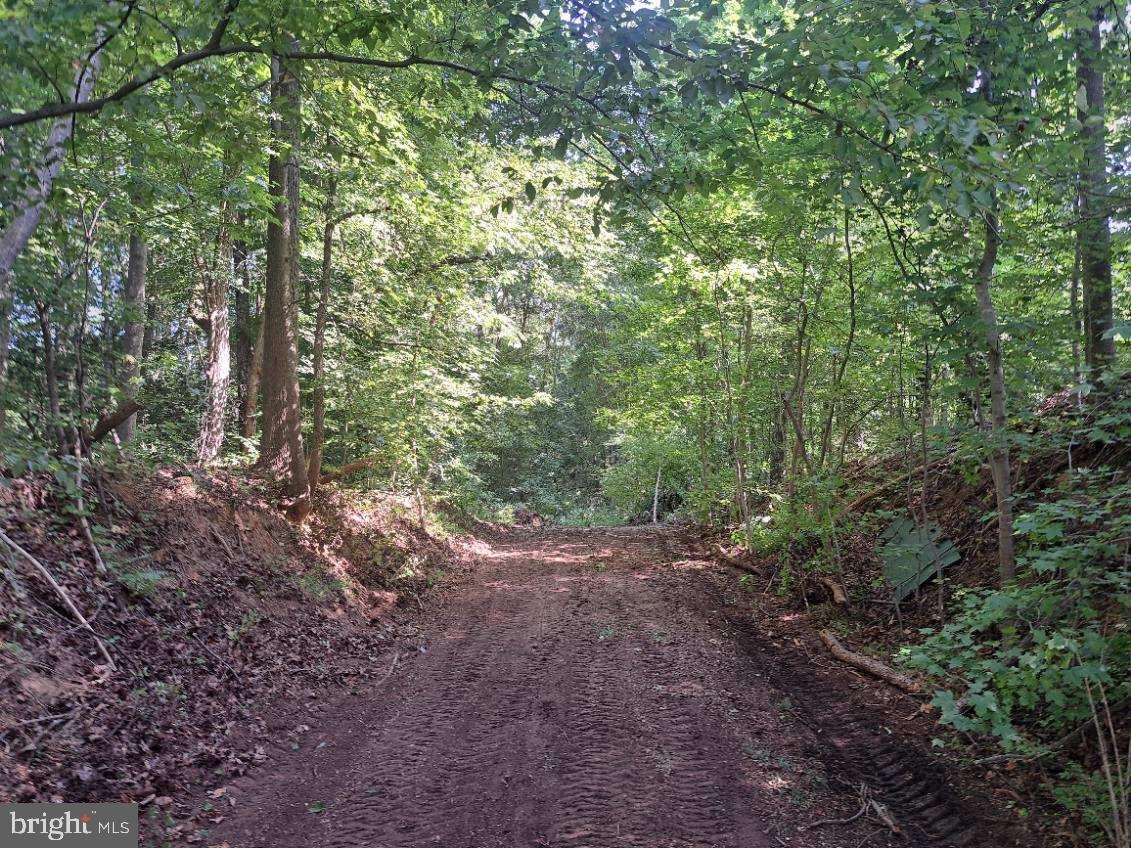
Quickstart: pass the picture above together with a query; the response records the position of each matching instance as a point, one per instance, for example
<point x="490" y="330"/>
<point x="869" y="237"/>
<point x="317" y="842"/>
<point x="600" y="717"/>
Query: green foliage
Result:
<point x="775" y="533"/>
<point x="1085" y="793"/>
<point x="318" y="585"/>
<point x="1024" y="653"/>
<point x="139" y="582"/>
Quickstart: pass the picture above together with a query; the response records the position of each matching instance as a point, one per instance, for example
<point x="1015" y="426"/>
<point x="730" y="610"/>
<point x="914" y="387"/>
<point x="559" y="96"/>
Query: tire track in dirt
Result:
<point x="573" y="694"/>
<point x="853" y="743"/>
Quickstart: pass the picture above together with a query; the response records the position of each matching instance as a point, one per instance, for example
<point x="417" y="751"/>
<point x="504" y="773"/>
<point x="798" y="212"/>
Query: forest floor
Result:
<point x="601" y="688"/>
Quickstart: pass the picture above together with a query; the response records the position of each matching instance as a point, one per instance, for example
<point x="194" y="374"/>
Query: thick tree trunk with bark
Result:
<point x="26" y="215"/>
<point x="998" y="429"/>
<point x="1094" y="223"/>
<point x="281" y="449"/>
<point x="218" y="373"/>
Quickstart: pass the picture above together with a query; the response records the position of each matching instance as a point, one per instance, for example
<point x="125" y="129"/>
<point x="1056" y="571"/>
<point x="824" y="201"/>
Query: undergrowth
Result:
<point x="1038" y="668"/>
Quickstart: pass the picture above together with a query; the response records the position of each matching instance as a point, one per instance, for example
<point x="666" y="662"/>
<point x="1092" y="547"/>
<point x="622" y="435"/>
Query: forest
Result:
<point x="840" y="286"/>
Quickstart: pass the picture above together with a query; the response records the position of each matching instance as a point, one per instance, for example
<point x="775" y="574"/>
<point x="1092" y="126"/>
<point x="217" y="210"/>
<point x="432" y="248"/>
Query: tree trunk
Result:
<point x="254" y="378"/>
<point x="136" y="313"/>
<point x="26" y="215"/>
<point x="281" y="442"/>
<point x="1094" y="223"/>
<point x="51" y="377"/>
<point x="218" y="373"/>
<point x="241" y="295"/>
<point x="1074" y="312"/>
<point x="314" y="467"/>
<point x="999" y="457"/>
<point x="836" y="389"/>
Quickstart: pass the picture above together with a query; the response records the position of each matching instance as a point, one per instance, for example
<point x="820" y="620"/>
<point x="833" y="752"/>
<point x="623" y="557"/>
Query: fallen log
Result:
<point x="871" y="666"/>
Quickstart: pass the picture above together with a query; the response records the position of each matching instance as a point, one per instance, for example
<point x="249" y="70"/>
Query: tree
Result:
<point x="135" y="307"/>
<point x="281" y="449"/>
<point x="29" y="208"/>
<point x="1094" y="209"/>
<point x="217" y="283"/>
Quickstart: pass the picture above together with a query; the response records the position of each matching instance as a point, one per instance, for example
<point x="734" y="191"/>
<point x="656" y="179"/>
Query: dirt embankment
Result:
<point x="220" y="617"/>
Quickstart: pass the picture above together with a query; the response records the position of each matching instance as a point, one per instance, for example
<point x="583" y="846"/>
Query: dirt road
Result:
<point x="581" y="688"/>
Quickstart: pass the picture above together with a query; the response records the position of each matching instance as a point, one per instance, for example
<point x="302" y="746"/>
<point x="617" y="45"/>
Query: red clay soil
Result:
<point x="590" y="688"/>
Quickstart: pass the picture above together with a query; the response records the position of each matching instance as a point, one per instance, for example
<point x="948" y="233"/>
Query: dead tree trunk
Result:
<point x="656" y="498"/>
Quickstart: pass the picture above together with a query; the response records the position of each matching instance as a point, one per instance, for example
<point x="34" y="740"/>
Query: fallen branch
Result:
<point x="392" y="668"/>
<point x="7" y="540"/>
<point x="886" y="817"/>
<point x="227" y="548"/>
<point x="732" y="562"/>
<point x="866" y="803"/>
<point x="873" y="667"/>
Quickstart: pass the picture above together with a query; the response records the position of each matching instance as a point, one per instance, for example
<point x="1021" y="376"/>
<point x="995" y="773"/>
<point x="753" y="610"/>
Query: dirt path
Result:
<point x="579" y="689"/>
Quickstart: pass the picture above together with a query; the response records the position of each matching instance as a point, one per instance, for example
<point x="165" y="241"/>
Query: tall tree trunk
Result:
<point x="241" y="295"/>
<point x="28" y="210"/>
<point x="51" y="377"/>
<point x="1074" y="312"/>
<point x="281" y="442"/>
<point x="1094" y="223"/>
<point x="136" y="313"/>
<point x="314" y="468"/>
<point x="999" y="456"/>
<point x="218" y="373"/>
<point x="836" y="389"/>
<point x="254" y="380"/>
